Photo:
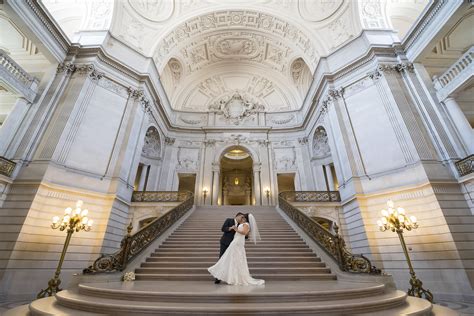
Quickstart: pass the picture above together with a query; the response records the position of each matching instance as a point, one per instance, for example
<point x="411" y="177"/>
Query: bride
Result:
<point x="232" y="266"/>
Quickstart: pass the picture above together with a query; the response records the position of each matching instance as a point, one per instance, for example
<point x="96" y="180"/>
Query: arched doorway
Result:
<point x="236" y="166"/>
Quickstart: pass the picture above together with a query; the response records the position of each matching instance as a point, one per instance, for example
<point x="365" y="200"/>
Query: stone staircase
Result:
<point x="173" y="280"/>
<point x="193" y="247"/>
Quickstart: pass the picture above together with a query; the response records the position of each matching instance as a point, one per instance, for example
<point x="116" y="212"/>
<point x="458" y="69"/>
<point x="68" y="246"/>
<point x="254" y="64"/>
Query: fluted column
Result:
<point x="461" y="123"/>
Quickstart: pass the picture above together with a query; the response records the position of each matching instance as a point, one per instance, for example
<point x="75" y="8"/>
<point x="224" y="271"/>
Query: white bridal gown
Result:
<point x="232" y="267"/>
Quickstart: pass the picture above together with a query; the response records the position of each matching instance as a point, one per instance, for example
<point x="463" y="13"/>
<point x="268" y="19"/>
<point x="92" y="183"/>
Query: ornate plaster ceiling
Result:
<point x="200" y="43"/>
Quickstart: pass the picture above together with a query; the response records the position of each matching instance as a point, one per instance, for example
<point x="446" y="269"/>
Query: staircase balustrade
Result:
<point x="333" y="244"/>
<point x="133" y="244"/>
<point x="465" y="166"/>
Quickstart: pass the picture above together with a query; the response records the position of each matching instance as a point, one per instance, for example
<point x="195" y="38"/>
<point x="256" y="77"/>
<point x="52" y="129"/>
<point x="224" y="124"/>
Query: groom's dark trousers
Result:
<point x="228" y="235"/>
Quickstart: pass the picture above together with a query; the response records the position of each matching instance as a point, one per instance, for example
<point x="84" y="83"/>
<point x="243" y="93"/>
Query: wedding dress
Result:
<point x="232" y="267"/>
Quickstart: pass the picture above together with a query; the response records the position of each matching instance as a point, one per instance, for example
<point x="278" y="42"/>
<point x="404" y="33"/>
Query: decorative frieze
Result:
<point x="81" y="69"/>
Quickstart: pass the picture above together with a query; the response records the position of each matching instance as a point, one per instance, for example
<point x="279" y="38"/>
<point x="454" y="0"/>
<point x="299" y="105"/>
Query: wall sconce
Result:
<point x="267" y="193"/>
<point x="204" y="193"/>
<point x="236" y="181"/>
<point x="396" y="220"/>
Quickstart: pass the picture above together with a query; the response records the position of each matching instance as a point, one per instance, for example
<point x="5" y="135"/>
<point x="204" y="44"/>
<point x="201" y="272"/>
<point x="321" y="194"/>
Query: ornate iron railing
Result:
<point x="333" y="244"/>
<point x="160" y="196"/>
<point x="465" y="166"/>
<point x="311" y="196"/>
<point x="6" y="166"/>
<point x="133" y="244"/>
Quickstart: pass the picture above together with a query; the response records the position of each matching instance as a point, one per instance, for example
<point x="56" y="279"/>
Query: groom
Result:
<point x="228" y="229"/>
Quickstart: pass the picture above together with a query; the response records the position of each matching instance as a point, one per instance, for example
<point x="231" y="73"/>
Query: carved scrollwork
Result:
<point x="465" y="166"/>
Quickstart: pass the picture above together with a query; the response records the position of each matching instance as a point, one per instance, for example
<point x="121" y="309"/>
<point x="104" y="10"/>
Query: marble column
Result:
<point x="256" y="183"/>
<point x="216" y="170"/>
<point x="330" y="177"/>
<point x="141" y="183"/>
<point x="460" y="123"/>
<point x="12" y="124"/>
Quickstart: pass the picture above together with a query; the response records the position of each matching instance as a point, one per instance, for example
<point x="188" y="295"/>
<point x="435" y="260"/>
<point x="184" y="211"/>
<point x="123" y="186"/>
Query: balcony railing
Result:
<point x="465" y="166"/>
<point x="311" y="196"/>
<point x="333" y="244"/>
<point x="17" y="78"/>
<point x="159" y="196"/>
<point x="456" y="75"/>
<point x="133" y="244"/>
<point x="6" y="166"/>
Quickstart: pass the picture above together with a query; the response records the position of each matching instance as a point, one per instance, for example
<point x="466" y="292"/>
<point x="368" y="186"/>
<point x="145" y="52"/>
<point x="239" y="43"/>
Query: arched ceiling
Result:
<point x="230" y="45"/>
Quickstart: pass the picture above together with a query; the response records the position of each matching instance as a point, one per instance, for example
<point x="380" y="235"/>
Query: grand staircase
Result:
<point x="174" y="280"/>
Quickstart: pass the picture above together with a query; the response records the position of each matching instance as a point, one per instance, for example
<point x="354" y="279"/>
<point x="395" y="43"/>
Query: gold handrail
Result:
<point x="133" y="244"/>
<point x="333" y="244"/>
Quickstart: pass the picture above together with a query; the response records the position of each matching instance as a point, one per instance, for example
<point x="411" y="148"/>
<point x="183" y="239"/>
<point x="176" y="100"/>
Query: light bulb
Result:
<point x="55" y="219"/>
<point x="401" y="210"/>
<point x="77" y="211"/>
<point x="384" y="213"/>
<point x="401" y="218"/>
<point x="390" y="210"/>
<point x="384" y="220"/>
<point x="90" y="222"/>
<point x="68" y="211"/>
<point x="413" y="219"/>
<point x="79" y="203"/>
<point x="84" y="220"/>
<point x="84" y="212"/>
<point x="66" y="218"/>
<point x="390" y="204"/>
<point x="379" y="222"/>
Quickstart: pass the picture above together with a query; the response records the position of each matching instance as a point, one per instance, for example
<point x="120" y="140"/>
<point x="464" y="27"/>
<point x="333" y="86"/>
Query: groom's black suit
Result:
<point x="228" y="235"/>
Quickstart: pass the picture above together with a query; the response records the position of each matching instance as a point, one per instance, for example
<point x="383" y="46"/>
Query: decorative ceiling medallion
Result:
<point x="153" y="10"/>
<point x="318" y="10"/>
<point x="236" y="108"/>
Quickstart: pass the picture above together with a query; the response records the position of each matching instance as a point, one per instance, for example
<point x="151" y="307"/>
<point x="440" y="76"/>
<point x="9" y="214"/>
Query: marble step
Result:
<point x="206" y="264"/>
<point x="253" y="270"/>
<point x="208" y="277"/>
<point x="283" y="292"/>
<point x="206" y="248"/>
<point x="76" y="300"/>
<point x="214" y="258"/>
<point x="214" y="238"/>
<point x="199" y="245"/>
<point x="211" y="253"/>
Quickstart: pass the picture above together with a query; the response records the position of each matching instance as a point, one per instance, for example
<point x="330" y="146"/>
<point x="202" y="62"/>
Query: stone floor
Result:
<point x="464" y="308"/>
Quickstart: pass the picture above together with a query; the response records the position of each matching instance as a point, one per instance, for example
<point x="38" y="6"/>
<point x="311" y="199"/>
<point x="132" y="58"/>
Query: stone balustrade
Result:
<point x="17" y="78"/>
<point x="456" y="75"/>
<point x="465" y="166"/>
<point x="6" y="166"/>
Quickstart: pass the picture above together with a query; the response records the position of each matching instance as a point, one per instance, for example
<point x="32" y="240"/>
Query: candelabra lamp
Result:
<point x="396" y="220"/>
<point x="72" y="221"/>
<point x="204" y="193"/>
<point x="267" y="193"/>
